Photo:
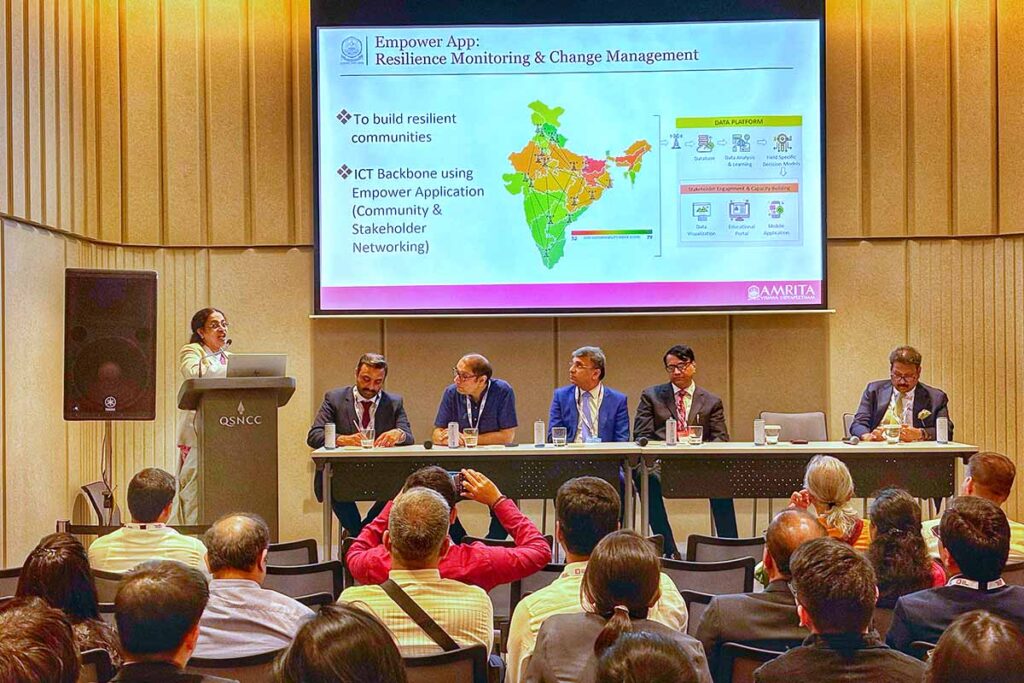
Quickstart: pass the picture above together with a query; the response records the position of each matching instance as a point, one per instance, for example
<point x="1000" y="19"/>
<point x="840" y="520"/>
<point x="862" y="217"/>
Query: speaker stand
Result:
<point x="106" y="466"/>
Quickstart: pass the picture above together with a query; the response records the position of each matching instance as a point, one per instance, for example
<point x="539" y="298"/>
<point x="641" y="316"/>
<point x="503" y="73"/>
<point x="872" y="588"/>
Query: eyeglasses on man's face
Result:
<point x="677" y="367"/>
<point x="463" y="376"/>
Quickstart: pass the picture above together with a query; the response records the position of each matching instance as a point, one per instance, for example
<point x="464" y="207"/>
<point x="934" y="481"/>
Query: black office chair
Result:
<point x="737" y="663"/>
<point x="716" y="578"/>
<point x="696" y="603"/>
<point x="465" y="665"/>
<point x="251" y="669"/>
<point x="701" y="548"/>
<point x="96" y="667"/>
<point x="9" y="581"/>
<point x="306" y="579"/>
<point x="293" y="553"/>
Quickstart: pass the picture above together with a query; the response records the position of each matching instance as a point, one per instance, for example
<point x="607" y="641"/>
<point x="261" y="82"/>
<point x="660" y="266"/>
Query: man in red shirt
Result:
<point x="472" y="563"/>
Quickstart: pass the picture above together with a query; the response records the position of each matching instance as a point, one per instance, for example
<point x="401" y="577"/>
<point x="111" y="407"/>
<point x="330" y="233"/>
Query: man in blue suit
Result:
<point x="915" y="404"/>
<point x="588" y="409"/>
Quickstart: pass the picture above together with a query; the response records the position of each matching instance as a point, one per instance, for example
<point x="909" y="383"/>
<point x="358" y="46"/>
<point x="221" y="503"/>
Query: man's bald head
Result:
<point x="236" y="542"/>
<point x="478" y="365"/>
<point x="787" y="532"/>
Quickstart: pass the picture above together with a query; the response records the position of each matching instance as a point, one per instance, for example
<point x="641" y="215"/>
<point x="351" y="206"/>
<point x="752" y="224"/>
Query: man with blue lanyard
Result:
<point x="478" y="400"/>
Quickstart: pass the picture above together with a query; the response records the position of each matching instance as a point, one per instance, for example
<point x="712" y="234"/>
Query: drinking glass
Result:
<point x="366" y="437"/>
<point x="696" y="436"/>
<point x="892" y="433"/>
<point x="470" y="435"/>
<point x="558" y="436"/>
<point x="771" y="434"/>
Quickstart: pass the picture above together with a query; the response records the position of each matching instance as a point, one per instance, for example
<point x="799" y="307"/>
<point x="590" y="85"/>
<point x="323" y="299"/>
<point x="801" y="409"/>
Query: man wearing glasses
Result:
<point x="480" y="401"/>
<point x="588" y="409"/>
<point x="915" y="404"/>
<point x="690" y="406"/>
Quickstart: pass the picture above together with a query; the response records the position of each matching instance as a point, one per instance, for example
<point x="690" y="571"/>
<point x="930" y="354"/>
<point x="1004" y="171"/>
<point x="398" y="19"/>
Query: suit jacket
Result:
<point x="875" y="402"/>
<point x="339" y="407"/>
<point x="658" y="403"/>
<point x="924" y="615"/>
<point x="839" y="658"/>
<point x="766" y="620"/>
<point x="162" y="672"/>
<point x="612" y="418"/>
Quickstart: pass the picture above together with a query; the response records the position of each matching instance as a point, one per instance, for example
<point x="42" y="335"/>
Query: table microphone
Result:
<point x="642" y="441"/>
<point x="853" y="440"/>
<point x="428" y="444"/>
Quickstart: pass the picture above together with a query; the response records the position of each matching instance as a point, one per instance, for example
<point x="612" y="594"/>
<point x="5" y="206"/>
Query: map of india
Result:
<point x="557" y="184"/>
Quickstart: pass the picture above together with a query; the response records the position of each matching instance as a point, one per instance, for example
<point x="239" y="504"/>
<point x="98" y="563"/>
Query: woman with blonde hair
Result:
<point x="828" y="487"/>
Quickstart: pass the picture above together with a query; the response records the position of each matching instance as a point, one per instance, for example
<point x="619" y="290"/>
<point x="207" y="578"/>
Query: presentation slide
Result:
<point x="569" y="168"/>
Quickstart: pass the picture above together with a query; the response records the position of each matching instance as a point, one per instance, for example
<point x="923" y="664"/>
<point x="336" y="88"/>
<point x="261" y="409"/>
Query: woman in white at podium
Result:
<point x="204" y="356"/>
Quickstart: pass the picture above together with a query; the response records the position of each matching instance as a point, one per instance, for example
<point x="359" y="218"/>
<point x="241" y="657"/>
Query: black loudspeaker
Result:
<point x="109" y="344"/>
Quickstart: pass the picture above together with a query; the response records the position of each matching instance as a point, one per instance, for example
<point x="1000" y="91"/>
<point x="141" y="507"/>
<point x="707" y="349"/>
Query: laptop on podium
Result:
<point x="257" y="364"/>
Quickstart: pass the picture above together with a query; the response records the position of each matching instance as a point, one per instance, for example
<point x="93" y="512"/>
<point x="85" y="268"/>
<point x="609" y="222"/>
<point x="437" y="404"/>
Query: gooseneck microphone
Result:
<point x="428" y="444"/>
<point x="642" y="441"/>
<point x="227" y="343"/>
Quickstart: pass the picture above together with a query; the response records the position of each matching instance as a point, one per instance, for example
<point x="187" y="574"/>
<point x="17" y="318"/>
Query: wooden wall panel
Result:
<point x="108" y="120"/>
<point x="33" y="108"/>
<point x="64" y="108"/>
<point x="844" y="153"/>
<point x="974" y="117"/>
<point x="142" y="123"/>
<point x="18" y="105"/>
<point x="302" y="113"/>
<point x="5" y="108"/>
<point x="1010" y="77"/>
<point x="48" y="96"/>
<point x="77" y="104"/>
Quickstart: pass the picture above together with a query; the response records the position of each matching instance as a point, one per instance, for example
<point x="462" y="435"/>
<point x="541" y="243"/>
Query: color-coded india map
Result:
<point x="557" y="184"/>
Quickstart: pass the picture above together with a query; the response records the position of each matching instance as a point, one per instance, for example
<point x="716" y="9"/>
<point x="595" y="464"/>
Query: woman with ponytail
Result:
<point x="828" y="488"/>
<point x="620" y="585"/>
<point x="898" y="551"/>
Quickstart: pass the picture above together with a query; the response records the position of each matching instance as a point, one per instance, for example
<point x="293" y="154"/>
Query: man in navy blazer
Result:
<point x="363" y="404"/>
<point x="588" y="409"/>
<point x="915" y="404"/>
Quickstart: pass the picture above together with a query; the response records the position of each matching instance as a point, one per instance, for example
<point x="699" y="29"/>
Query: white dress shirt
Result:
<point x="243" y="619"/>
<point x="596" y="396"/>
<point x="359" y="400"/>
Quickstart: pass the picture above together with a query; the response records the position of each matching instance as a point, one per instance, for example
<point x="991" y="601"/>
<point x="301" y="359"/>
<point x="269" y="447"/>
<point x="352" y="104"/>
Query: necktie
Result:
<point x="587" y="421"/>
<point x="899" y="407"/>
<point x="366" y="413"/>
<point x="681" y="426"/>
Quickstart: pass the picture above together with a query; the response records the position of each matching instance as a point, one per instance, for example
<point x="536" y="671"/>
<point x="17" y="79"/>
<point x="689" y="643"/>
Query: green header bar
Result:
<point x="737" y="121"/>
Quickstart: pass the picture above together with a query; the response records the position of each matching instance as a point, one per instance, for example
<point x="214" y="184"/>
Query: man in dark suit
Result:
<point x="974" y="541"/>
<point x="589" y="410"/>
<point x="158" y="607"/>
<point x="766" y="620"/>
<point x="364" y="404"/>
<point x="835" y="594"/>
<point x="699" y="408"/>
<point x="915" y="404"/>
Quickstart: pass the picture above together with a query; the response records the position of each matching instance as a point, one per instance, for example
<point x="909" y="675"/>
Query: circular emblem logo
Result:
<point x="351" y="50"/>
<point x="753" y="292"/>
<point x="110" y="402"/>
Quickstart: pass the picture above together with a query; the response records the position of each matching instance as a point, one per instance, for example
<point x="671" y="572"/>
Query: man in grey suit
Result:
<point x="699" y="408"/>
<point x="364" y="404"/>
<point x="915" y="404"/>
<point x="767" y="620"/>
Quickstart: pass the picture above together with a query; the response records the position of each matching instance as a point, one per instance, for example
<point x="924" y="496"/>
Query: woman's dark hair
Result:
<point x="342" y="644"/>
<point x="57" y="571"/>
<point x="978" y="647"/>
<point x="898" y="554"/>
<point x="38" y="643"/>
<point x="645" y="658"/>
<point x="199" y="322"/>
<point x="621" y="583"/>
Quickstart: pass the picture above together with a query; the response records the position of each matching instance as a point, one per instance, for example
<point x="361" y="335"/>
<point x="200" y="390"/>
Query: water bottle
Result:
<point x="453" y="435"/>
<point x="759" y="438"/>
<point x="670" y="432"/>
<point x="330" y="436"/>
<point x="539" y="435"/>
<point x="942" y="429"/>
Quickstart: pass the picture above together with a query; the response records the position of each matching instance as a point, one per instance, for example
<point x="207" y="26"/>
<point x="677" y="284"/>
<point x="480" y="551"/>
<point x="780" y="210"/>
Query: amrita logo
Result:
<point x="792" y="292"/>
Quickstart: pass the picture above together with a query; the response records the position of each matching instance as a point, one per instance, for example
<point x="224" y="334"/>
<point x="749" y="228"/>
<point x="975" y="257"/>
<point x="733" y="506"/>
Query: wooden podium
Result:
<point x="236" y="422"/>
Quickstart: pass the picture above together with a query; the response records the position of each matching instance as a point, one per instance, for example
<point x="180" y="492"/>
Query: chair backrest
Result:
<point x="346" y="576"/>
<point x="714" y="549"/>
<point x="96" y="667"/>
<point x="306" y="579"/>
<point x="95" y="493"/>
<point x="881" y="620"/>
<point x="465" y="665"/>
<point x="107" y="613"/>
<point x="506" y="596"/>
<point x="9" y="581"/>
<point x="806" y="426"/>
<point x="315" y="601"/>
<point x="921" y="649"/>
<point x="251" y="669"/>
<point x="106" y="584"/>
<point x="696" y="603"/>
<point x="545" y="577"/>
<point x="847" y="423"/>
<point x="1013" y="574"/>
<point x="293" y="553"/>
<point x="716" y="578"/>
<point x="736" y="663"/>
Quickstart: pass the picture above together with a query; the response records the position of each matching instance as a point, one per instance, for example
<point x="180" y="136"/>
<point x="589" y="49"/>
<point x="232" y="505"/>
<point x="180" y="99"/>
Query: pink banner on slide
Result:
<point x="571" y="296"/>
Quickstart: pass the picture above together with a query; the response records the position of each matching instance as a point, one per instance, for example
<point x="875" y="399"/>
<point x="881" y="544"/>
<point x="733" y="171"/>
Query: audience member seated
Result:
<point x="473" y="563"/>
<point x="241" y="618"/>
<point x="586" y="510"/>
<point x="37" y="644"/>
<point x="835" y="594"/>
<point x="978" y="647"/>
<point x="828" y="487"/>
<point x="57" y="571"/>
<point x="646" y="658"/>
<point x="897" y="552"/>
<point x="157" y="608"/>
<point x="416" y="540"/>
<point x="620" y="585"/>
<point x="974" y="540"/>
<point x="766" y="620"/>
<point x="990" y="476"/>
<point x="342" y="644"/>
<point x="147" y="536"/>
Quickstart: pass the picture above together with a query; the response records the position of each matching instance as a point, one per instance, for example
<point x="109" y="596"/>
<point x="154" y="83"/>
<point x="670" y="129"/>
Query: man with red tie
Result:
<point x="364" y="404"/>
<point x="691" y="406"/>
